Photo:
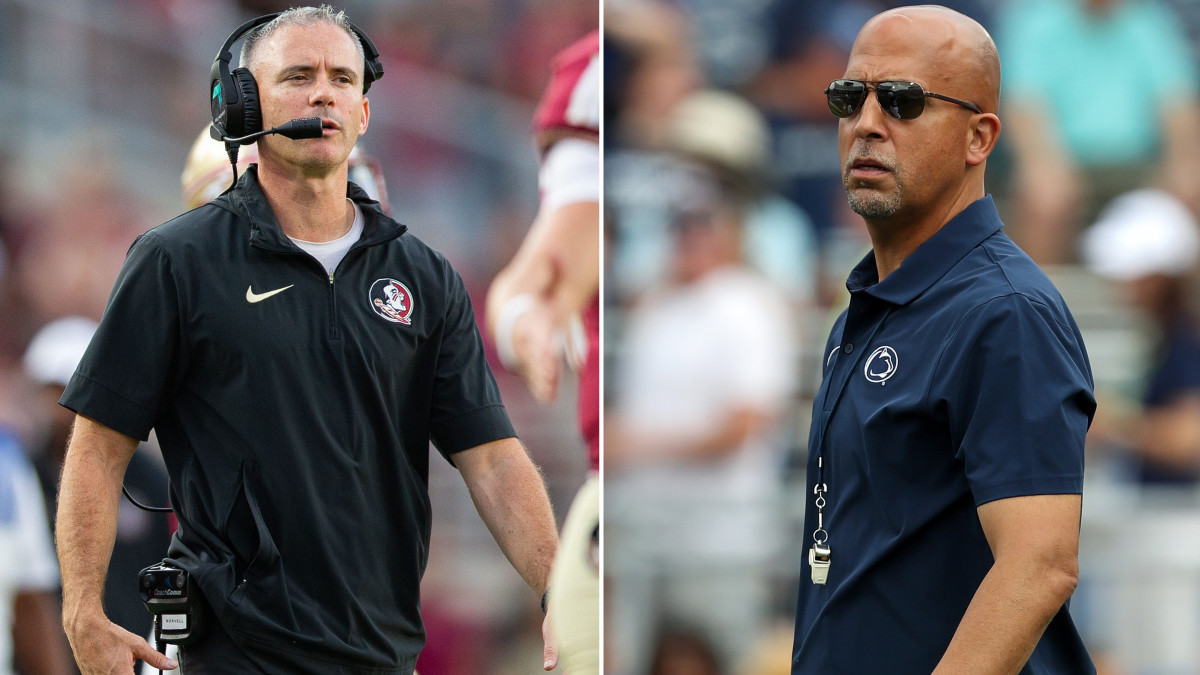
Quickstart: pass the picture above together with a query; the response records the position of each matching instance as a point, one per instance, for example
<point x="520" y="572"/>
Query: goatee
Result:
<point x="873" y="205"/>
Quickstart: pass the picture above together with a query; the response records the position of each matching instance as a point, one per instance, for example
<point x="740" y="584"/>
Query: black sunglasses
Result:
<point x="902" y="100"/>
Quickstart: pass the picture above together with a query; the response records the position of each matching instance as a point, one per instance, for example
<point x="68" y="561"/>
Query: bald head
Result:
<point x="908" y="177"/>
<point x="949" y="52"/>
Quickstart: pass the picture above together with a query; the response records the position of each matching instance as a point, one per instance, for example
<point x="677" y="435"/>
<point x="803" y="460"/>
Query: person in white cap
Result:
<point x="1149" y="243"/>
<point x="725" y="133"/>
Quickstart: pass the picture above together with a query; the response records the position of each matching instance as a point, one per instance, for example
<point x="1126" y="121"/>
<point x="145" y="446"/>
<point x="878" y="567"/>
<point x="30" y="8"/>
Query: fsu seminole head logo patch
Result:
<point x="391" y="300"/>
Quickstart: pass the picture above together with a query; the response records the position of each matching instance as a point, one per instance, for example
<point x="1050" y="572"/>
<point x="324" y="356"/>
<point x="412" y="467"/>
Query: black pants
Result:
<point x="215" y="654"/>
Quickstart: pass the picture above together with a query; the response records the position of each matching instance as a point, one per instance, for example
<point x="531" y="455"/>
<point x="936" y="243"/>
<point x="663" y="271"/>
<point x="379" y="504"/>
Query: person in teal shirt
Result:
<point x="1101" y="98"/>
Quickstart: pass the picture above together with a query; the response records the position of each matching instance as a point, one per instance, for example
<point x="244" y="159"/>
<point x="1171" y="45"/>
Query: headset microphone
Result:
<point x="305" y="127"/>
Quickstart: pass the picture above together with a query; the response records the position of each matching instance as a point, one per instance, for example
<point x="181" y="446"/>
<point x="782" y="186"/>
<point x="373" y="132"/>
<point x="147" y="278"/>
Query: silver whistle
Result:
<point x="818" y="561"/>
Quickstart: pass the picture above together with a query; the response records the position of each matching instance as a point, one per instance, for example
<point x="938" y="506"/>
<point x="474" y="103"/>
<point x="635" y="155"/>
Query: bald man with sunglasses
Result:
<point x="945" y="465"/>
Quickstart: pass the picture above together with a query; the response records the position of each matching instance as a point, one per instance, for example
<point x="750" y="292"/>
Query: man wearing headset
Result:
<point x="294" y="414"/>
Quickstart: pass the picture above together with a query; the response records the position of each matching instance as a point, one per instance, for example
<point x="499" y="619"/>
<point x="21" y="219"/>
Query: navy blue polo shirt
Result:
<point x="959" y="379"/>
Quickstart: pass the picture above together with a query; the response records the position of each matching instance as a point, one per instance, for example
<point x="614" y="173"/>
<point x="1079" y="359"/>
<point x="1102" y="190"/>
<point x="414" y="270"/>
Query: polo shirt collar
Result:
<point x="932" y="259"/>
<point x="247" y="198"/>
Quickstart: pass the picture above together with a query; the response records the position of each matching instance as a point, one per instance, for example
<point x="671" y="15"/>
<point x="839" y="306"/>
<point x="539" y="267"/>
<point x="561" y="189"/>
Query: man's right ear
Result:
<point x="983" y="132"/>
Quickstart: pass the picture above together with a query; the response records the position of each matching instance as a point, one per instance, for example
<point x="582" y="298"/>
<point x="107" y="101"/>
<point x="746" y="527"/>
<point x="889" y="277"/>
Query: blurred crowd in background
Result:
<point x="727" y="245"/>
<point x="105" y="101"/>
<point x="726" y="217"/>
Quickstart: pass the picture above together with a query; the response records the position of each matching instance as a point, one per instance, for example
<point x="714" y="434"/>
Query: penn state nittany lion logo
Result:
<point x="881" y="364"/>
<point x="391" y="300"/>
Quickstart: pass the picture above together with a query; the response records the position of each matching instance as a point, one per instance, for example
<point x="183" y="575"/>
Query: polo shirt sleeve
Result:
<point x="1014" y="386"/>
<point x="467" y="410"/>
<point x="126" y="372"/>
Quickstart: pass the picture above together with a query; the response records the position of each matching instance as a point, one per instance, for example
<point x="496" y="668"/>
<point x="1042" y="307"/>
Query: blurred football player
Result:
<point x="544" y="311"/>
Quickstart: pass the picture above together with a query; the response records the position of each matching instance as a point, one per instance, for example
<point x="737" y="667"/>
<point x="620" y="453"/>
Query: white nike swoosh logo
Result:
<point x="253" y="297"/>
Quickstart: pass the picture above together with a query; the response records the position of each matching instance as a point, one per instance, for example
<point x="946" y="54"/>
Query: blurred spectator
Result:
<point x="1100" y="97"/>
<point x="72" y="249"/>
<point x="1145" y="445"/>
<point x="29" y="625"/>
<point x="809" y="47"/>
<point x="655" y="110"/>
<point x="142" y="537"/>
<point x="649" y="67"/>
<point x="691" y="450"/>
<point x="730" y="137"/>
<point x="1148" y="242"/>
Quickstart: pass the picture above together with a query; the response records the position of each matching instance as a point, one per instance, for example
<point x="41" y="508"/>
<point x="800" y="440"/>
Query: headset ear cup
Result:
<point x="251" y="114"/>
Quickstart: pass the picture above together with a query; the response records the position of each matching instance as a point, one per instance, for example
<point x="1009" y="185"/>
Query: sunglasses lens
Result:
<point x="845" y="97"/>
<point x="902" y="100"/>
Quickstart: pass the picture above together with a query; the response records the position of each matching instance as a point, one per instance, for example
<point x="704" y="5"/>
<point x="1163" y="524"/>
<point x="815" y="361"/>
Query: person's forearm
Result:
<point x="510" y="496"/>
<point x="1006" y="618"/>
<point x="559" y="263"/>
<point x="629" y="444"/>
<point x="1180" y="122"/>
<point x="86" y="523"/>
<point x="1170" y="434"/>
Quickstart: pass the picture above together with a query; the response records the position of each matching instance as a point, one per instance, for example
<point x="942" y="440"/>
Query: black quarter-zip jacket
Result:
<point x="295" y="410"/>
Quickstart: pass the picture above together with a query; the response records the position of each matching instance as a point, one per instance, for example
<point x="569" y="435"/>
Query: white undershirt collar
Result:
<point x="330" y="253"/>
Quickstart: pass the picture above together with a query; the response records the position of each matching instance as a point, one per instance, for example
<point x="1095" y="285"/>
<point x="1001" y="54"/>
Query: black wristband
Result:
<point x="545" y="600"/>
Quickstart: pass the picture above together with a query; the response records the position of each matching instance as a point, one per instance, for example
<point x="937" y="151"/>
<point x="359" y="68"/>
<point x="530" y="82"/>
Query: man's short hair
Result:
<point x="299" y="16"/>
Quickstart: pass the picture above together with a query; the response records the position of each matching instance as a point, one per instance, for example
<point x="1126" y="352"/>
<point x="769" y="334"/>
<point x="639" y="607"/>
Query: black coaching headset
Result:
<point x="233" y="96"/>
